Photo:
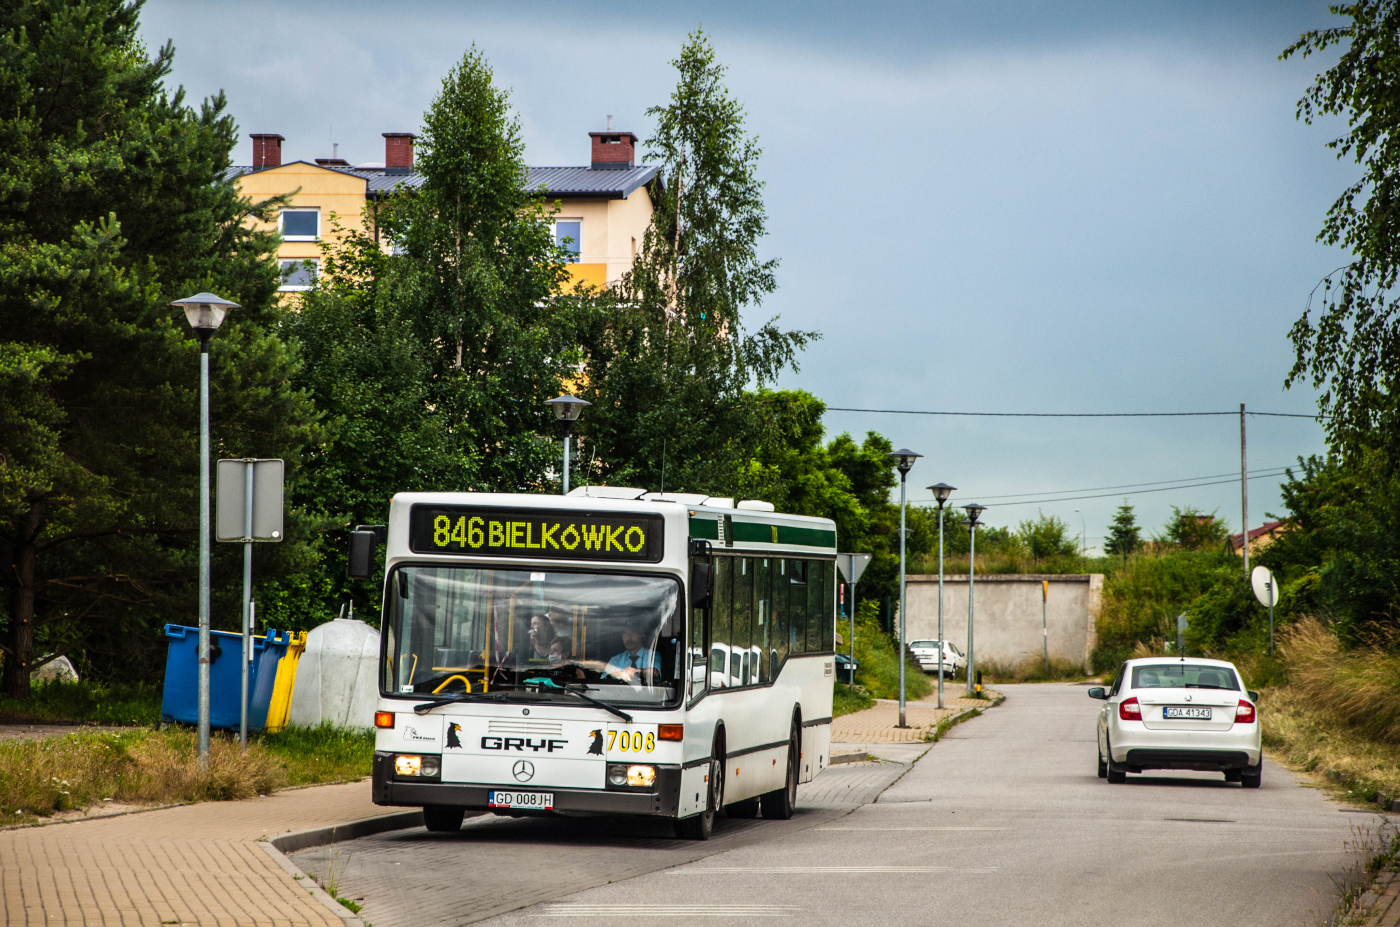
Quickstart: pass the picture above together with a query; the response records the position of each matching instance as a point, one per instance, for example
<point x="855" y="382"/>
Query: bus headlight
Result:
<point x="641" y="775"/>
<point x="617" y="775"/>
<point x="411" y="766"/>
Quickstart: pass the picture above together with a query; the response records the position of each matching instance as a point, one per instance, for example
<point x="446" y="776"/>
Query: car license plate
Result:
<point x="542" y="801"/>
<point x="1199" y="714"/>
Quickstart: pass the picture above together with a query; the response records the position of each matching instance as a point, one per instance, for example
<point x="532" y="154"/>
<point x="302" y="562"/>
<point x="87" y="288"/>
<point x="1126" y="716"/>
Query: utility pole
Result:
<point x="1244" y="497"/>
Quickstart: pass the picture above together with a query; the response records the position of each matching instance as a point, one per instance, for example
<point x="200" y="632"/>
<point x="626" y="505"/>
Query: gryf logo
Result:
<point x="523" y="770"/>
<point x="520" y="743"/>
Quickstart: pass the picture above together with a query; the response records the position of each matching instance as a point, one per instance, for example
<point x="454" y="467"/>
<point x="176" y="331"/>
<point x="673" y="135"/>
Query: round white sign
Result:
<point x="1265" y="586"/>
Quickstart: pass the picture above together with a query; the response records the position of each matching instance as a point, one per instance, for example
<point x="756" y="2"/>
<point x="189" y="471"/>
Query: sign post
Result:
<point x="249" y="511"/>
<point x="1181" y="635"/>
<point x="1044" y="627"/>
<point x="851" y="566"/>
<point x="1266" y="591"/>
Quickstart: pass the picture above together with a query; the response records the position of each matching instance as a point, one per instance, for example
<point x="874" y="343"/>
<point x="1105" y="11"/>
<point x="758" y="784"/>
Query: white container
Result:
<point x="336" y="677"/>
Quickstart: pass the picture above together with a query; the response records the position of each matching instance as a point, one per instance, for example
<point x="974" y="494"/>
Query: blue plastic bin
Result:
<point x="180" y="701"/>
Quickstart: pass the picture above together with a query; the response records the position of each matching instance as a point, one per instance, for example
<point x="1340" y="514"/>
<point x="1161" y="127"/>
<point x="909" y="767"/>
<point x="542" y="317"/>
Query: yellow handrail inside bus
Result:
<point x="465" y="681"/>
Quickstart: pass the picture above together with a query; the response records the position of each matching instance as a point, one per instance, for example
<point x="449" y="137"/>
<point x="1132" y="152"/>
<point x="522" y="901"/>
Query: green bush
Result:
<point x="1142" y="598"/>
<point x="879" y="663"/>
<point x="86" y="702"/>
<point x="846" y="700"/>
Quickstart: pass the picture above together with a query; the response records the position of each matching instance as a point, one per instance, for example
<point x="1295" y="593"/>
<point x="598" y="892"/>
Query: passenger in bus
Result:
<point x="561" y="658"/>
<point x="636" y="664"/>
<point x="542" y="635"/>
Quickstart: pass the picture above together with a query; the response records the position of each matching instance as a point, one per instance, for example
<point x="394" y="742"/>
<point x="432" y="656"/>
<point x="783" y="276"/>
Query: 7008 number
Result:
<point x="631" y="741"/>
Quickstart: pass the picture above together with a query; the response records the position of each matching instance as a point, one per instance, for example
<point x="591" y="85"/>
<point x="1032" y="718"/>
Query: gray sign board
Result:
<point x="229" y="519"/>
<point x="852" y="565"/>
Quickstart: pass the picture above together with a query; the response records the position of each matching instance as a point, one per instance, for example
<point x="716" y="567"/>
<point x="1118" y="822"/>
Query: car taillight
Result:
<point x="1244" y="712"/>
<point x="1130" y="710"/>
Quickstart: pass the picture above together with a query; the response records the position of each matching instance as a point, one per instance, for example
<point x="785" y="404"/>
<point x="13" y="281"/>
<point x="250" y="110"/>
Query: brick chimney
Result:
<point x="267" y="150"/>
<point x="612" y="150"/>
<point x="398" y="152"/>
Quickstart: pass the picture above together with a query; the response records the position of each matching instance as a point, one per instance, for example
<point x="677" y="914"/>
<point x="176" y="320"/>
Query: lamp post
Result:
<point x="567" y="410"/>
<point x="1083" y="533"/>
<point x="904" y="460"/>
<point x="974" y="512"/>
<point x="941" y="492"/>
<point x="205" y="313"/>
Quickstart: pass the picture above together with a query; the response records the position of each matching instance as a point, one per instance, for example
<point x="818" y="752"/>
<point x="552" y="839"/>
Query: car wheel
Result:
<point x="1234" y="775"/>
<point x="779" y="804"/>
<point x="1114" y="773"/>
<point x="699" y="826"/>
<point x="441" y="819"/>
<point x="1252" y="776"/>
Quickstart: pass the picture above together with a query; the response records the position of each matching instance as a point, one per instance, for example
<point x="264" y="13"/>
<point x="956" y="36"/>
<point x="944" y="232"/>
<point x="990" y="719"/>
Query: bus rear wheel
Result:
<point x="699" y="826"/>
<point x="442" y="819"/>
<point x="779" y="804"/>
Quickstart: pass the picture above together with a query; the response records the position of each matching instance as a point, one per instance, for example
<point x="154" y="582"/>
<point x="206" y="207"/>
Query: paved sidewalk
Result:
<point x="1379" y="901"/>
<point x="197" y="864"/>
<point x="877" y="725"/>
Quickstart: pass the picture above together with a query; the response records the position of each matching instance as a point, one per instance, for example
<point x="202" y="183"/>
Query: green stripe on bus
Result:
<point x="707" y="528"/>
<point x="748" y="532"/>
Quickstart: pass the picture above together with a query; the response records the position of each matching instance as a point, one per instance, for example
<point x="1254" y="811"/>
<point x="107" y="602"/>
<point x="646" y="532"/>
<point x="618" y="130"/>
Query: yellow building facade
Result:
<point x="602" y="210"/>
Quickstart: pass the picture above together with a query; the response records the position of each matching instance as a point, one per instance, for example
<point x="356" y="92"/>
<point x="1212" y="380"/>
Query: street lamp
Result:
<point x="904" y="460"/>
<point x="567" y="410"/>
<point x="1083" y="533"/>
<point x="205" y="313"/>
<point x="941" y="492"/>
<point x="974" y="512"/>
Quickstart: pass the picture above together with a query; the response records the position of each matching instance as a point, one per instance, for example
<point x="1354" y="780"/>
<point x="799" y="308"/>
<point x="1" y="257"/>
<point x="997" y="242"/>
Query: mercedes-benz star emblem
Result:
<point x="523" y="770"/>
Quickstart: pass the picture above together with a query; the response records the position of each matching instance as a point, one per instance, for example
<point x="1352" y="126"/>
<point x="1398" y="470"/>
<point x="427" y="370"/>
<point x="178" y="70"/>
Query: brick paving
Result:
<point x="1378" y="904"/>
<point x="877" y="725"/>
<point x="196" y="864"/>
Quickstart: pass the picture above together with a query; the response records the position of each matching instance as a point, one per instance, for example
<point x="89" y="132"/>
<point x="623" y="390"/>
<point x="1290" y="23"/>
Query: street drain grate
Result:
<point x="1202" y="820"/>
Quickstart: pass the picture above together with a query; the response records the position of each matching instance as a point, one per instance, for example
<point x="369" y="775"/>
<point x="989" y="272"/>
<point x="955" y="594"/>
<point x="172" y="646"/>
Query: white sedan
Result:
<point x="1163" y="713"/>
<point x="926" y="652"/>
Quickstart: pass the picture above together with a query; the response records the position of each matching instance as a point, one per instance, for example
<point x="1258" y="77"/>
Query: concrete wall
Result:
<point x="1007" y="621"/>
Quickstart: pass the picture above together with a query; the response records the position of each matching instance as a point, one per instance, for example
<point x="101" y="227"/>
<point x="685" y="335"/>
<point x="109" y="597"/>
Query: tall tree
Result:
<point x="478" y="277"/>
<point x="1124" y="536"/>
<point x="1351" y="350"/>
<point x="668" y="365"/>
<point x="112" y="203"/>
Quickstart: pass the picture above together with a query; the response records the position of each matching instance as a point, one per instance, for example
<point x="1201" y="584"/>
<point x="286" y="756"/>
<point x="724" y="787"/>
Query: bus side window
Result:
<point x="778" y="652"/>
<point x="741" y="637"/>
<point x="763" y="617"/>
<point x="818" y="614"/>
<point x="797" y="603"/>
<point x="828" y="606"/>
<point x="699" y="654"/>
<point x="720" y="622"/>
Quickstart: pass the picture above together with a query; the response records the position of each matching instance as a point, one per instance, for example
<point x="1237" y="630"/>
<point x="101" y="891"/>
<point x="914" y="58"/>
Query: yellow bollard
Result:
<point x="282" y="686"/>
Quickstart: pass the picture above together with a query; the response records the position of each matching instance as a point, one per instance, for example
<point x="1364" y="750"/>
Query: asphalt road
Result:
<point x="1004" y="822"/>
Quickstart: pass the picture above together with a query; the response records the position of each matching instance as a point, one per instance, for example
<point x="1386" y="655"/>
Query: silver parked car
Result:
<point x="1163" y="713"/>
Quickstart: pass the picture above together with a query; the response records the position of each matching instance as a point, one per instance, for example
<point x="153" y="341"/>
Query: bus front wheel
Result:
<point x="442" y="819"/>
<point x="699" y="826"/>
<point x="779" y="804"/>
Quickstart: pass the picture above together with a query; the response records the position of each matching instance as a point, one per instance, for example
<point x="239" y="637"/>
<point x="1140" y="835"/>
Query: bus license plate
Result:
<point x="540" y="801"/>
<point x="1198" y="714"/>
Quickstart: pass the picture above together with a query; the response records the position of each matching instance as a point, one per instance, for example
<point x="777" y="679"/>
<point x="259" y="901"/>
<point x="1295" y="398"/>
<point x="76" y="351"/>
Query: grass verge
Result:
<point x="878" y="663"/>
<point x="85" y="703"/>
<point x="848" y="700"/>
<point x="1031" y="669"/>
<point x="39" y="778"/>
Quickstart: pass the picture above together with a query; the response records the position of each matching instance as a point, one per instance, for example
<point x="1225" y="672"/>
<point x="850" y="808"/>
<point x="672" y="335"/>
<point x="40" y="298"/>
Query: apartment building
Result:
<point x="603" y="208"/>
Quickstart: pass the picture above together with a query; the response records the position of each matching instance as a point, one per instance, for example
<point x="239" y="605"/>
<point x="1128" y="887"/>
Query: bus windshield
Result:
<point x="460" y="629"/>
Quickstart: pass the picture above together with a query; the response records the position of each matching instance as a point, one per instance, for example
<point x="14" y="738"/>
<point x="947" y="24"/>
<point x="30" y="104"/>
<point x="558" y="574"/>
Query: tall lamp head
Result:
<point x="941" y="492"/>
<point x="567" y="408"/>
<point x="904" y="460"/>
<point x="974" y="512"/>
<point x="205" y="313"/>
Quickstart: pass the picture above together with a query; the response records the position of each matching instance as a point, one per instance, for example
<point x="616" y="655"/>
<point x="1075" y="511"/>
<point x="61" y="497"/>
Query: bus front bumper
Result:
<point x="662" y="800"/>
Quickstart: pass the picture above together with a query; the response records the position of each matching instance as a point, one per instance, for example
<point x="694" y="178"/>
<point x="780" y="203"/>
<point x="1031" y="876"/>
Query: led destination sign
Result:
<point x="441" y="529"/>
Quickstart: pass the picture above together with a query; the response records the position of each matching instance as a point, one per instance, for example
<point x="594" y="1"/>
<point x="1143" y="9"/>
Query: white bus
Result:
<point x="610" y="651"/>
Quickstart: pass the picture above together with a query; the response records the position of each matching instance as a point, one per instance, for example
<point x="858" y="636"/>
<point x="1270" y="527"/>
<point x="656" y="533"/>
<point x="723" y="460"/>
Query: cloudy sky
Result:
<point x="983" y="206"/>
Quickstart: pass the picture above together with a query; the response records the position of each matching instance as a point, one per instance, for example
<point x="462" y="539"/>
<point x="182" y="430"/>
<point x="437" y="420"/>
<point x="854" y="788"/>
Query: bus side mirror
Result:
<point x="702" y="583"/>
<point x="362" y="541"/>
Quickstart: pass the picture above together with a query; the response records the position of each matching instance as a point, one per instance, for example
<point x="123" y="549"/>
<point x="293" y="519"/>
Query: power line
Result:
<point x="1134" y="492"/>
<point x="1073" y="414"/>
<point x="1267" y="471"/>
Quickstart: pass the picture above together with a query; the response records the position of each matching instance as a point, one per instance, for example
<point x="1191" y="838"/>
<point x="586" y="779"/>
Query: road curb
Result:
<point x="854" y="756"/>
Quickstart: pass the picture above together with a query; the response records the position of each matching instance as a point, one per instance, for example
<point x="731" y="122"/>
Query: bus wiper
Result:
<point x="551" y="684"/>
<point x="426" y="707"/>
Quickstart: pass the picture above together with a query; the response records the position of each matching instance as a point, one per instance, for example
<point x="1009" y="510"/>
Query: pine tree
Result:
<point x="113" y="203"/>
<point x="1124" y="536"/>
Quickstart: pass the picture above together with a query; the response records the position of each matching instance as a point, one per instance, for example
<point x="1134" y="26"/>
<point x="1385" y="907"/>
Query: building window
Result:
<point x="567" y="235"/>
<point x="301" y="224"/>
<point x="298" y="276"/>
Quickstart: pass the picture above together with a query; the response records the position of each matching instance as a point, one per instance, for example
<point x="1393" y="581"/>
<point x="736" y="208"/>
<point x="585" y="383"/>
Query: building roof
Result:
<point x="572" y="182"/>
<point x="1264" y="530"/>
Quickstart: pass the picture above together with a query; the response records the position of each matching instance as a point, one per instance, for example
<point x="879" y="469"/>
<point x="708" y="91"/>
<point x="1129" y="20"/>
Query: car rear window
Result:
<point x="1184" y="676"/>
<point x="928" y="644"/>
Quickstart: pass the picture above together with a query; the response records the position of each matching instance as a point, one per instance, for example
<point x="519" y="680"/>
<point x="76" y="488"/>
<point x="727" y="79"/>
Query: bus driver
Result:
<point x="636" y="664"/>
